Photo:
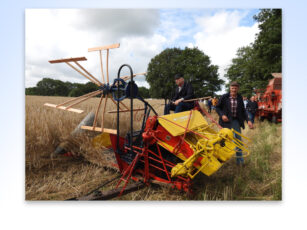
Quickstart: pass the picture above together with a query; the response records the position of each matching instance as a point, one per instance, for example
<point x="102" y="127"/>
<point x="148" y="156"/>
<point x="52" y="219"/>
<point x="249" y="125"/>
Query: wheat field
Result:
<point x="66" y="177"/>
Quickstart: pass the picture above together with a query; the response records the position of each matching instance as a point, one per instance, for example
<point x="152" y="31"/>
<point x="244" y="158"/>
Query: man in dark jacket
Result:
<point x="209" y="105"/>
<point x="251" y="109"/>
<point x="184" y="91"/>
<point x="232" y="113"/>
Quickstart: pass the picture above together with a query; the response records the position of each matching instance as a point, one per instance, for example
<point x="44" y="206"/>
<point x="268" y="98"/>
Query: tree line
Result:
<point x="51" y="87"/>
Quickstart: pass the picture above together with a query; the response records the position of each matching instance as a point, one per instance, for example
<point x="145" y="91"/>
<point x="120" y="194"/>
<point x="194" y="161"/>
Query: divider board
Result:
<point x="127" y="77"/>
<point x="68" y="60"/>
<point x="104" y="47"/>
<point x="64" y="108"/>
<point x="98" y="129"/>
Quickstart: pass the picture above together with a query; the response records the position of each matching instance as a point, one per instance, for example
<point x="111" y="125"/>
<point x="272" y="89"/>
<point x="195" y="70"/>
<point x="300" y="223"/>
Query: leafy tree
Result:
<point x="192" y="63"/>
<point x="51" y="87"/>
<point x="76" y="92"/>
<point x="89" y="87"/>
<point x="144" y="92"/>
<point x="253" y="64"/>
<point x="31" y="91"/>
<point x="268" y="44"/>
<point x="70" y="86"/>
<point x="244" y="70"/>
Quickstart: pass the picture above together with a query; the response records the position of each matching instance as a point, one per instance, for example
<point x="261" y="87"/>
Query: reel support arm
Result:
<point x="206" y="149"/>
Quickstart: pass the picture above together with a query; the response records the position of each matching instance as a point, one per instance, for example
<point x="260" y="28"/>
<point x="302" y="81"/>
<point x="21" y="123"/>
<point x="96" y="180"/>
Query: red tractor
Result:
<point x="270" y="100"/>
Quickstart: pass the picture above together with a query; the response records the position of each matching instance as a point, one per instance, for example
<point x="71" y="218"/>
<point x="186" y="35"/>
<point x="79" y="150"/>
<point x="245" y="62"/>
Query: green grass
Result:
<point x="259" y="179"/>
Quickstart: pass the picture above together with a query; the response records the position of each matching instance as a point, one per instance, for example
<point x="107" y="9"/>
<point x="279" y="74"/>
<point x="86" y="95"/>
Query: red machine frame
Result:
<point x="153" y="165"/>
<point x="270" y="100"/>
<point x="151" y="159"/>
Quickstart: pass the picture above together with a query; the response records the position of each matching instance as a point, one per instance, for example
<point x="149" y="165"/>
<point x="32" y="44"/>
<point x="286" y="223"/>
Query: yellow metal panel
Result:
<point x="167" y="121"/>
<point x="213" y="152"/>
<point x="225" y="153"/>
<point x="102" y="140"/>
<point x="208" y="166"/>
<point x="170" y="149"/>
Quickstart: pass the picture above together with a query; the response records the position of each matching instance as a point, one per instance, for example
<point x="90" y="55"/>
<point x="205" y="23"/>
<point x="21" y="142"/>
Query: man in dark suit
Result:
<point x="232" y="113"/>
<point x="184" y="91"/>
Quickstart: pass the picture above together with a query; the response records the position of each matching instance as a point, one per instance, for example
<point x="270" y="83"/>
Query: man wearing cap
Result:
<point x="184" y="91"/>
<point x="232" y="113"/>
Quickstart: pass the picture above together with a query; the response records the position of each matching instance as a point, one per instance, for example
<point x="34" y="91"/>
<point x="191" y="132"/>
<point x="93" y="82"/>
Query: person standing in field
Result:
<point x="209" y="105"/>
<point x="184" y="91"/>
<point x="251" y="108"/>
<point x="214" y="102"/>
<point x="245" y="101"/>
<point x="232" y="114"/>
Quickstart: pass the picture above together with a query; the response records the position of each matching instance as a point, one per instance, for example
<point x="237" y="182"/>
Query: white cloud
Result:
<point x="142" y="34"/>
<point x="221" y="35"/>
<point x="56" y="34"/>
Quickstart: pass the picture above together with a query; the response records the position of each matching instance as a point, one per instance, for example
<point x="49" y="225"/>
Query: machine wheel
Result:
<point x="261" y="118"/>
<point x="121" y="85"/>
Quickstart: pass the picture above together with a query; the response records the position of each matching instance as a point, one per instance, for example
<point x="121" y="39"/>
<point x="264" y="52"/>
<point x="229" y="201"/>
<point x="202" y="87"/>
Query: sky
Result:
<point x="142" y="34"/>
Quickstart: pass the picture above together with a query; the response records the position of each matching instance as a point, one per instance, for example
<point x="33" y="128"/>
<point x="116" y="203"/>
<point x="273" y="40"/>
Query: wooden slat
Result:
<point x="88" y="73"/>
<point x="64" y="108"/>
<point x="107" y="65"/>
<point x="78" y="98"/>
<point x="68" y="60"/>
<point x="197" y="99"/>
<point x="127" y="77"/>
<point x="97" y="110"/>
<point x="115" y="103"/>
<point x="84" y="99"/>
<point x="104" y="111"/>
<point x="104" y="47"/>
<point x="92" y="80"/>
<point x="98" y="129"/>
<point x="101" y="67"/>
<point x="122" y="103"/>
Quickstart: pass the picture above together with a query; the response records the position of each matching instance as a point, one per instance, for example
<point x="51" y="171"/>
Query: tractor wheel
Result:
<point x="261" y="118"/>
<point x="274" y="119"/>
